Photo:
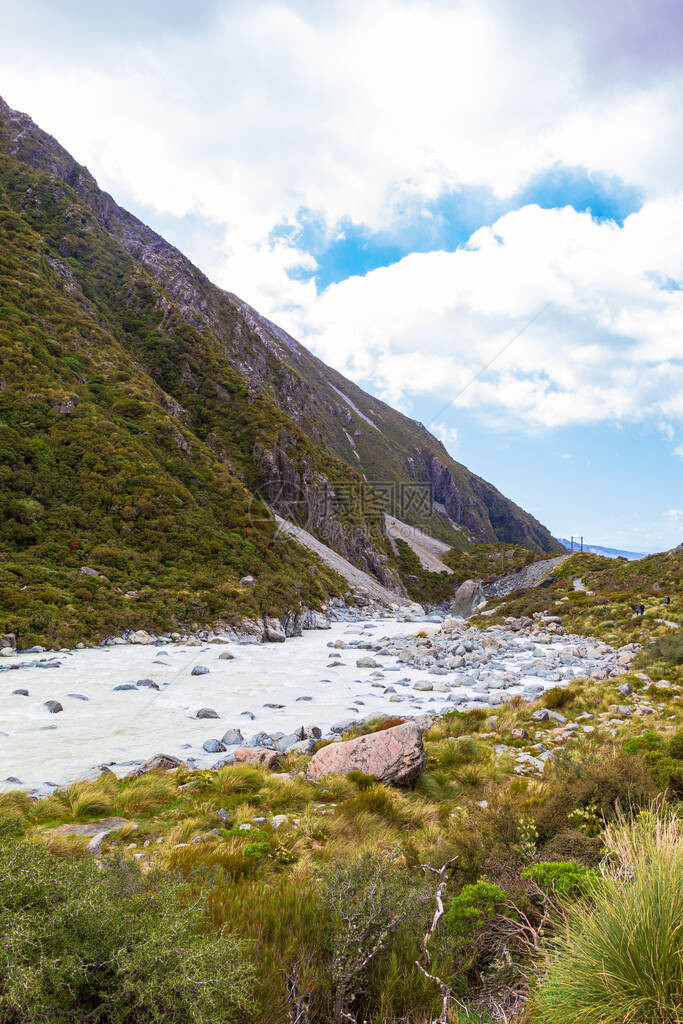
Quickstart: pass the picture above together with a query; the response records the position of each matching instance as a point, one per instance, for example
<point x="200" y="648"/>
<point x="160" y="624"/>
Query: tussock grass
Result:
<point x="619" y="958"/>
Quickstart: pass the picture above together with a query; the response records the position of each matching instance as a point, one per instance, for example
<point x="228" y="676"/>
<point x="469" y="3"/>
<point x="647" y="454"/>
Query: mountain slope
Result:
<point x="146" y="416"/>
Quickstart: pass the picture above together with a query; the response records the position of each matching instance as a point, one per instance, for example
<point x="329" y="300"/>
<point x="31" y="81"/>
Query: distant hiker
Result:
<point x="667" y="600"/>
<point x="636" y="609"/>
<point x="642" y="609"/>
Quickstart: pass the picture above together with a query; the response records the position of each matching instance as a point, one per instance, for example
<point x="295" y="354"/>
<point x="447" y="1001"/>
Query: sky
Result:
<point x="404" y="186"/>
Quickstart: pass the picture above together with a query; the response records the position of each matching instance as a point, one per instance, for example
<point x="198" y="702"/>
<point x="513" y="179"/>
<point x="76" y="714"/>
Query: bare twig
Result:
<point x="446" y="993"/>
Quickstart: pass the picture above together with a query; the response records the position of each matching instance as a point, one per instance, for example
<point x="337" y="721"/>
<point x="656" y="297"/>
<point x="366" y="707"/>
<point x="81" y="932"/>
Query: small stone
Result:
<point x="625" y="689"/>
<point x="199" y="670"/>
<point x="147" y="684"/>
<point x="226" y="656"/>
<point x="21" y="693"/>
<point x="53" y="706"/>
<point x="207" y="713"/>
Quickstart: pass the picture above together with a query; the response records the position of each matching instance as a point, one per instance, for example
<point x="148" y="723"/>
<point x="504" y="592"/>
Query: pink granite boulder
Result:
<point x="391" y="755"/>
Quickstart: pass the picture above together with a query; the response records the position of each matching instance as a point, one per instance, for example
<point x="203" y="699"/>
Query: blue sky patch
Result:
<point x="447" y="222"/>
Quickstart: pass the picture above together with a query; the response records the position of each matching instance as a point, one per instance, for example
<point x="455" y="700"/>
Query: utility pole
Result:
<point x="579" y="543"/>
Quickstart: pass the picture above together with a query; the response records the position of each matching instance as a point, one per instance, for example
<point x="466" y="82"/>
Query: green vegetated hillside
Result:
<point x="561" y="882"/>
<point x="482" y="562"/>
<point x="146" y="415"/>
<point x="605" y="607"/>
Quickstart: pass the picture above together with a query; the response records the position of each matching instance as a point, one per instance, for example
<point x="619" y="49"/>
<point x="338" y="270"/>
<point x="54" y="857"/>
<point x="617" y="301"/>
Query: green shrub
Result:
<point x="666" y="771"/>
<point x="602" y="783"/>
<point x="472" y="906"/>
<point x="668" y="648"/>
<point x="113" y="946"/>
<point x="560" y="696"/>
<point x="676" y="745"/>
<point x="561" y="878"/>
<point x="619" y="959"/>
<point x="648" y="741"/>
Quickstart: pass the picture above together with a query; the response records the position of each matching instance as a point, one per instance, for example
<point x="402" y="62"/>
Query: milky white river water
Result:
<point x="129" y="725"/>
<point x="123" y="727"/>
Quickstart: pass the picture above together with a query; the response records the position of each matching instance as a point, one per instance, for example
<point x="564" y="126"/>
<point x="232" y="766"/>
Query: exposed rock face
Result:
<point x="392" y="755"/>
<point x="468" y="596"/>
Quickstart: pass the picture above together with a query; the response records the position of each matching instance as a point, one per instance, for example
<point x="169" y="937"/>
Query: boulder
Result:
<point x="232" y="737"/>
<point x="468" y="597"/>
<point x="199" y="670"/>
<point x="392" y="755"/>
<point x="273" y="632"/>
<point x="302" y="747"/>
<point x="207" y="713"/>
<point x="213" y="746"/>
<point x="261" y="756"/>
<point x="53" y="706"/>
<point x="226" y="656"/>
<point x="159" y="762"/>
<point x="140" y="636"/>
<point x="366" y="662"/>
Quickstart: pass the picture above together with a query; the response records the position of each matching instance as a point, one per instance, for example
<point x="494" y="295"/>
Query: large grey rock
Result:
<point x="199" y="670"/>
<point x="273" y="632"/>
<point x="392" y="755"/>
<point x="213" y="746"/>
<point x="53" y="706"/>
<point x="232" y="737"/>
<point x="207" y="713"/>
<point x="468" y="597"/>
<point x="302" y="747"/>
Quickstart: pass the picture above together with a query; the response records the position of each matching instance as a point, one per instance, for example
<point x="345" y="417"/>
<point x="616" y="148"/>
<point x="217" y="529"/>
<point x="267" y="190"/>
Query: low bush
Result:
<point x="602" y="783"/>
<point x="110" y="946"/>
<point x="561" y="878"/>
<point x="474" y="904"/>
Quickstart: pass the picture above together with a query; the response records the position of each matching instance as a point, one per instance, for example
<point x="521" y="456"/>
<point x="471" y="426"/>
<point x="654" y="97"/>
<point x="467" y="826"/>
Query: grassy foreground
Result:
<point x="245" y="895"/>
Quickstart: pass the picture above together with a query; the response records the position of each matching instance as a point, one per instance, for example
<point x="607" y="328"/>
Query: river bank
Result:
<point x="117" y="705"/>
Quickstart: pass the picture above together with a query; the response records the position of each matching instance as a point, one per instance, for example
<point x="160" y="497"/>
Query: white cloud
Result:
<point x="349" y="109"/>
<point x="353" y="109"/>
<point x="675" y="515"/>
<point x="679" y="450"/>
<point x="609" y="347"/>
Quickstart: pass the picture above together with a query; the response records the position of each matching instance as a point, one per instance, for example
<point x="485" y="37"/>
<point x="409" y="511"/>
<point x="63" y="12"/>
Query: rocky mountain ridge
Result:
<point x="194" y="407"/>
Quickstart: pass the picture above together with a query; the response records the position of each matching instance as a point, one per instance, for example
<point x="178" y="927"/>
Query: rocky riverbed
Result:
<point x="65" y="714"/>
